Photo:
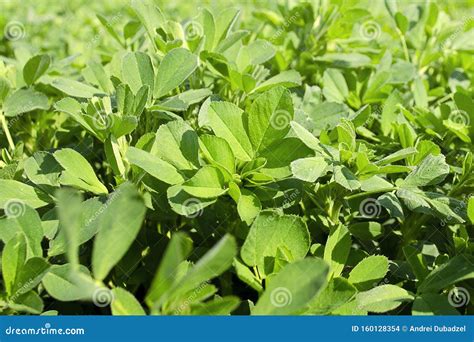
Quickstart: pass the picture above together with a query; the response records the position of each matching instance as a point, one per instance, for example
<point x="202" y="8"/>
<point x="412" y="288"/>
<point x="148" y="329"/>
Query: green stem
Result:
<point x="7" y="131"/>
<point x="366" y="193"/>
<point x="404" y="45"/>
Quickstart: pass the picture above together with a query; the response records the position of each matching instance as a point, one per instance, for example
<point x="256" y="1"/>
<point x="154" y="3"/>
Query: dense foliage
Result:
<point x="293" y="158"/>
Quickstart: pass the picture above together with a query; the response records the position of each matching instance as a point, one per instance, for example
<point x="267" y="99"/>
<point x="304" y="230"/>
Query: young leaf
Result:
<point x="35" y="68"/>
<point x="154" y="166"/>
<point x="458" y="268"/>
<point x="337" y="249"/>
<point x="337" y="293"/>
<point x="61" y="283"/>
<point x="309" y="169"/>
<point x="17" y="192"/>
<point x="137" y="71"/>
<point x="174" y="69"/>
<point x="177" y="143"/>
<point x="177" y="251"/>
<point x="292" y="288"/>
<point x="28" y="223"/>
<point x="383" y="298"/>
<point x="78" y="172"/>
<point x="432" y="170"/>
<point x="121" y="221"/>
<point x="24" y="101"/>
<point x="208" y="182"/>
<point x="226" y="120"/>
<point x="270" y="231"/>
<point x="369" y="272"/>
<point x="125" y="304"/>
<point x="270" y="115"/>
<point x="13" y="259"/>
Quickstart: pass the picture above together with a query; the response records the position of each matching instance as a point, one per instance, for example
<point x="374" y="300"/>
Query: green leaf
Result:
<point x="433" y="304"/>
<point x="43" y="170"/>
<point x="390" y="202"/>
<point x="217" y="260"/>
<point x="470" y="209"/>
<point x="287" y="78"/>
<point x="369" y="272"/>
<point x="35" y="68"/>
<point x="14" y="191"/>
<point x="219" y="306"/>
<point x="137" y="70"/>
<point x="248" y="206"/>
<point x="383" y="298"/>
<point x="432" y="170"/>
<point x="13" y="259"/>
<point x="226" y="120"/>
<point x="458" y="268"/>
<point x="176" y="252"/>
<point x="174" y="69"/>
<point x="337" y="293"/>
<point x="309" y="169"/>
<point x="185" y="204"/>
<point x="78" y="173"/>
<point x="345" y="60"/>
<point x="72" y="87"/>
<point x="149" y="15"/>
<point x="345" y="177"/>
<point x="244" y="274"/>
<point x="366" y="231"/>
<point x="389" y="112"/>
<point x="270" y="231"/>
<point x="217" y="151"/>
<point x="154" y="166"/>
<point x="290" y="291"/>
<point x="335" y="86"/>
<point x="25" y="220"/>
<point x="121" y="221"/>
<point x="270" y="115"/>
<point x="337" y="249"/>
<point x="125" y="304"/>
<point x="178" y="144"/>
<point x="24" y="101"/>
<point x="29" y="302"/>
<point x="208" y="182"/>
<point x="30" y="275"/>
<point x="327" y="115"/>
<point x="69" y="213"/>
<point x="61" y="283"/>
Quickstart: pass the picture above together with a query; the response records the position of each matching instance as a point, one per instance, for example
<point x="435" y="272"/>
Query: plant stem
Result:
<point x="6" y="130"/>
<point x="361" y="194"/>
